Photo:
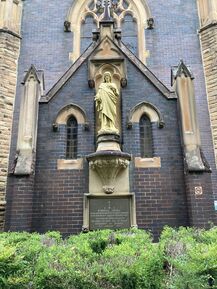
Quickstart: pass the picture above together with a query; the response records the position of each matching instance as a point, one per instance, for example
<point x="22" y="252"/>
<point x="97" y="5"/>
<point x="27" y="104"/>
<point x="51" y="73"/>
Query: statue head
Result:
<point x="107" y="77"/>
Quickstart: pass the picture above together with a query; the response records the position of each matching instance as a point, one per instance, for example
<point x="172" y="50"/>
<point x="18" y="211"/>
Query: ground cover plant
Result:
<point x="182" y="259"/>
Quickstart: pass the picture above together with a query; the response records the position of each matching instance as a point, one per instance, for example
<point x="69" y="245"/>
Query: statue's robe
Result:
<point x="107" y="100"/>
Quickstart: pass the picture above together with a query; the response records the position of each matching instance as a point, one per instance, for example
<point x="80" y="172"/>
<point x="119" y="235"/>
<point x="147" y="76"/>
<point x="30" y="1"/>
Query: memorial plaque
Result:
<point x="109" y="213"/>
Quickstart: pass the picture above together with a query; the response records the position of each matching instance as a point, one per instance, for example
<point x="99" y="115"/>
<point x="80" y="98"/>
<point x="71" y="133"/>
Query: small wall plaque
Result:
<point x="198" y="191"/>
<point x="109" y="213"/>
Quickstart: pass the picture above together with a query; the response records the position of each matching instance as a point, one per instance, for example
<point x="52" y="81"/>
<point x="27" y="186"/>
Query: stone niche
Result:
<point x="108" y="58"/>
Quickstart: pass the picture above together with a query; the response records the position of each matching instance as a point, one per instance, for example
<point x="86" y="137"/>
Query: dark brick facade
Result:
<point x="53" y="199"/>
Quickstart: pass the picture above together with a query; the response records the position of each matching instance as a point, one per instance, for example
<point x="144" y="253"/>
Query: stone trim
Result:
<point x="190" y="133"/>
<point x="208" y="39"/>
<point x="28" y="122"/>
<point x="4" y="30"/>
<point x="76" y="164"/>
<point x="68" y="74"/>
<point x="68" y="110"/>
<point x="122" y="48"/>
<point x="146" y="163"/>
<point x="210" y="25"/>
<point x="145" y="108"/>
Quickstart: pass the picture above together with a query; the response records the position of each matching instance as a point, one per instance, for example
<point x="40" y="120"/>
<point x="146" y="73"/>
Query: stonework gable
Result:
<point x="108" y="51"/>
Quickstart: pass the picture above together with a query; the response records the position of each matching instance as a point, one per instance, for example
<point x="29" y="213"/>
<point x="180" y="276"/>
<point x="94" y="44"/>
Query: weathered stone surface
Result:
<point x="9" y="51"/>
<point x="209" y="52"/>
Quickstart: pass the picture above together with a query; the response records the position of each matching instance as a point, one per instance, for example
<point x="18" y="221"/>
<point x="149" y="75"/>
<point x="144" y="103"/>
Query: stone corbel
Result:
<point x="184" y="86"/>
<point x="67" y="26"/>
<point x="28" y="122"/>
<point x="108" y="165"/>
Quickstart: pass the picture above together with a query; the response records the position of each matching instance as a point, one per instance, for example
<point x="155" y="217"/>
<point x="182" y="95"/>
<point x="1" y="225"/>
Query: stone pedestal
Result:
<point x="109" y="204"/>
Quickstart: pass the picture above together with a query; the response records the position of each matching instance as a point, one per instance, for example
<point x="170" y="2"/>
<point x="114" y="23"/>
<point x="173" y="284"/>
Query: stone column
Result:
<point x="27" y="133"/>
<point x="208" y="38"/>
<point x="20" y="189"/>
<point x="199" y="191"/>
<point x="189" y="124"/>
<point x="10" y="19"/>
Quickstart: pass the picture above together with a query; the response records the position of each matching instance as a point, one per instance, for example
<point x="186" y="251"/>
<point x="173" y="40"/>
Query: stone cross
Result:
<point x="106" y="3"/>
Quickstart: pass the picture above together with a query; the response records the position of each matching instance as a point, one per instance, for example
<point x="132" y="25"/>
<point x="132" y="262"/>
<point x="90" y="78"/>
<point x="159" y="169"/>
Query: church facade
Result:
<point x="111" y="123"/>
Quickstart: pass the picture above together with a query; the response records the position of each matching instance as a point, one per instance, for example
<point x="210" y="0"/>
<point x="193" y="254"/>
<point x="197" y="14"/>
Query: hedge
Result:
<point x="185" y="258"/>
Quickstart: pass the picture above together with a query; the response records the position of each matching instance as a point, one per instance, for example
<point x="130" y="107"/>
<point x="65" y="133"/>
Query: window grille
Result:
<point x="146" y="145"/>
<point x="72" y="138"/>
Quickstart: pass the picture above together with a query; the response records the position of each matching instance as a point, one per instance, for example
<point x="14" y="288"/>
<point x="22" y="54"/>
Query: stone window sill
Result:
<point x="70" y="164"/>
<point x="148" y="162"/>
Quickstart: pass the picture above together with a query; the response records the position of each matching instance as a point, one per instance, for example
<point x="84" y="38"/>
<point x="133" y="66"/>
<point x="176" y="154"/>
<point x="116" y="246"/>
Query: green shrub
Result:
<point x="128" y="259"/>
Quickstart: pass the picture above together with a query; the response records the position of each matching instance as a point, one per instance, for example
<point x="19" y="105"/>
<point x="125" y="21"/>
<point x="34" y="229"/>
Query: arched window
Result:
<point x="72" y="138"/>
<point x="146" y="146"/>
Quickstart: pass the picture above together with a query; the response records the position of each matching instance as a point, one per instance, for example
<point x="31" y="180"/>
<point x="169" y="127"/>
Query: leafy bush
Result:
<point x="128" y="259"/>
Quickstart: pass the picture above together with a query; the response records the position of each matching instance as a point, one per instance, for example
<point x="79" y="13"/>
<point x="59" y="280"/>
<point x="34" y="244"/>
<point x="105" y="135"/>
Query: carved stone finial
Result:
<point x="107" y="11"/>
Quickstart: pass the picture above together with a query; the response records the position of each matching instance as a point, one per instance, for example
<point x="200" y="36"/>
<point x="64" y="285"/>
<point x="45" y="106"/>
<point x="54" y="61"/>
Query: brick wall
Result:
<point x="57" y="202"/>
<point x="200" y="206"/>
<point x="175" y="37"/>
<point x="160" y="192"/>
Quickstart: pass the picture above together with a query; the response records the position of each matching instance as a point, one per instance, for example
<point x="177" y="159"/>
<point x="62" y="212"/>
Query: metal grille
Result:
<point x="146" y="147"/>
<point x="72" y="138"/>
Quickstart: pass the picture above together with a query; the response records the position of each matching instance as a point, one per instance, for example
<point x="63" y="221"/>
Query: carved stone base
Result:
<point x="107" y="166"/>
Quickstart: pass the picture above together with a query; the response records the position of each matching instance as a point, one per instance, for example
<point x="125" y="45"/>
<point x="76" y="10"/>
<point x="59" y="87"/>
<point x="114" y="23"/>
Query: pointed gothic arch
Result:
<point x="139" y="10"/>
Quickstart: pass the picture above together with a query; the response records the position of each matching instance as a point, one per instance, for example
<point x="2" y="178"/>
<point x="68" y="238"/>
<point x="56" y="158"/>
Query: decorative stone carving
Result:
<point x="150" y="22"/>
<point x="139" y="9"/>
<point x="106" y="102"/>
<point x="108" y="165"/>
<point x="67" y="26"/>
<point x="123" y="82"/>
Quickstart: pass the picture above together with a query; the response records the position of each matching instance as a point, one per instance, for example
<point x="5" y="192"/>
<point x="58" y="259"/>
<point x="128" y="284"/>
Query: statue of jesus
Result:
<point x="106" y="104"/>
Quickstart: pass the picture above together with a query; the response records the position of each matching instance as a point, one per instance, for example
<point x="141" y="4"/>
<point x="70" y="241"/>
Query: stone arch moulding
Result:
<point x="145" y="108"/>
<point x="139" y="9"/>
<point x="117" y="71"/>
<point x="67" y="111"/>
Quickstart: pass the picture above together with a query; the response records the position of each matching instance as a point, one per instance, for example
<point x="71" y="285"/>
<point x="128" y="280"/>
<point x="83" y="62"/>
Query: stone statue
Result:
<point x="106" y="101"/>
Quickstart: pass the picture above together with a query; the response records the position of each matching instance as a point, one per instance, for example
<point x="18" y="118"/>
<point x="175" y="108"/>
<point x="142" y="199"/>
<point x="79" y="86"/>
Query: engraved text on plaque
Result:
<point x="109" y="213"/>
